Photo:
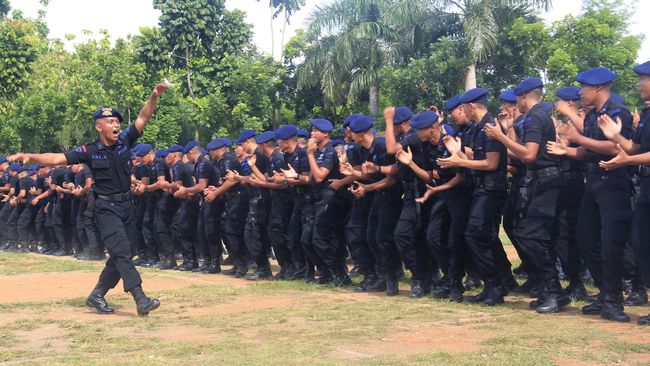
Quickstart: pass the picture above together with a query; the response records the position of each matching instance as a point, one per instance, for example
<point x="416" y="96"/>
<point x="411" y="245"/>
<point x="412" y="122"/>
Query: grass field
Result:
<point x="216" y="320"/>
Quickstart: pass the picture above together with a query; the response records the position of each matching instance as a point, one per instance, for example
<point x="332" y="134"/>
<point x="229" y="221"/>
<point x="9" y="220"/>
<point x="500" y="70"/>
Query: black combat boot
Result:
<point x="144" y="304"/>
<point x="556" y="298"/>
<point x="494" y="293"/>
<point x="594" y="308"/>
<point x="577" y="290"/>
<point x="203" y="267"/>
<point x="392" y="286"/>
<point x="368" y="280"/>
<point x="213" y="267"/>
<point x="418" y="289"/>
<point x="638" y="296"/>
<point x="456" y="290"/>
<point x="378" y="286"/>
<point x="96" y="301"/>
<point x="262" y="273"/>
<point x="442" y="289"/>
<point x="613" y="308"/>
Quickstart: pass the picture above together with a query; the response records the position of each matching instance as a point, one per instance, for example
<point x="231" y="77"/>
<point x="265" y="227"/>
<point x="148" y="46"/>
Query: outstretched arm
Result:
<point x="149" y="107"/>
<point x="49" y="159"/>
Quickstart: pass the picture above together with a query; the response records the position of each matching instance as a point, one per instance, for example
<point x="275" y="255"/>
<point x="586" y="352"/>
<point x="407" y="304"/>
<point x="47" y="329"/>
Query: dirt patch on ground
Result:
<point x="242" y="304"/>
<point x="49" y="337"/>
<point x="43" y="287"/>
<point x="174" y="333"/>
<point x="421" y="338"/>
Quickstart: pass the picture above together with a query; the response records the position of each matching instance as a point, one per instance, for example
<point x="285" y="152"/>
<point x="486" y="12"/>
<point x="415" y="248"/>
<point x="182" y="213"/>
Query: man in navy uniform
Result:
<point x="488" y="164"/>
<point x="605" y="212"/>
<point x="538" y="200"/>
<point x="108" y="158"/>
<point x="635" y="151"/>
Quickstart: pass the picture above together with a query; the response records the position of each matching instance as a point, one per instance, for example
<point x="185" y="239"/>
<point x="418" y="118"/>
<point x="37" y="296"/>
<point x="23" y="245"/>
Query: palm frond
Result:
<point x="480" y="28"/>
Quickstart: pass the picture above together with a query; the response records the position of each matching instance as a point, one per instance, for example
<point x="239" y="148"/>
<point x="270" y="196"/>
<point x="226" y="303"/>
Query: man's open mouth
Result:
<point x="116" y="132"/>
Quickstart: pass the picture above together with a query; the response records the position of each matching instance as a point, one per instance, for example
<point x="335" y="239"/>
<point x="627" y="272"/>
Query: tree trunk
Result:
<point x="272" y="37"/>
<point x="187" y="70"/>
<point x="189" y="85"/>
<point x="284" y="28"/>
<point x="470" y="77"/>
<point x="374" y="101"/>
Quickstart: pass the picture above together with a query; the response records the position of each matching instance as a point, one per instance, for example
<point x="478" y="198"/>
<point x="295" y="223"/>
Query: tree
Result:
<point x="353" y="40"/>
<point x="480" y="27"/>
<point x="188" y="27"/>
<point x="287" y="7"/>
<point x="5" y="7"/>
<point x="599" y="36"/>
<point x="19" y="48"/>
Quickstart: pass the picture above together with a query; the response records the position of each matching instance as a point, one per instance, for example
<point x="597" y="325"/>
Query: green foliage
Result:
<point x="19" y="47"/>
<point x="5" y="7"/>
<point x="410" y="52"/>
<point x="427" y="81"/>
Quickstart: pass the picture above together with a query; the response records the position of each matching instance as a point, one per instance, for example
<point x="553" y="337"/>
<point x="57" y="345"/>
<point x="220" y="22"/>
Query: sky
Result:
<point x="124" y="17"/>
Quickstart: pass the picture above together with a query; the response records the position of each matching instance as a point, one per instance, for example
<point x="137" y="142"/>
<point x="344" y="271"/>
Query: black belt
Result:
<point x="543" y="173"/>
<point x="574" y="175"/>
<point x="117" y="197"/>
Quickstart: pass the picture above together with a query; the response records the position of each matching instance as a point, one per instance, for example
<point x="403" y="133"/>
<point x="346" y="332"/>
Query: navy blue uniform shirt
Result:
<point x="108" y="164"/>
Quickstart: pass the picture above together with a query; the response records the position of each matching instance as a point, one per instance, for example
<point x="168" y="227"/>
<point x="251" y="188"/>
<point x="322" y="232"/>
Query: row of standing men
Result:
<point x="425" y="196"/>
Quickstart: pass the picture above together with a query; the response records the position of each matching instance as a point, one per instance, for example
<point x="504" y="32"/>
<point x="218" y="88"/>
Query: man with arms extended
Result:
<point x="108" y="158"/>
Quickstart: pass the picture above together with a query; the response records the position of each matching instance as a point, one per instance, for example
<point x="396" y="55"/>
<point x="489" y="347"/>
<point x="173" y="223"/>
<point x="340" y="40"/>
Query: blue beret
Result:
<point x="453" y="102"/>
<point x="449" y="130"/>
<point x="343" y="130"/>
<point x="528" y="85"/>
<point x="143" y="150"/>
<point x="136" y="148"/>
<point x="617" y="98"/>
<point x="107" y="112"/>
<point x="568" y="93"/>
<point x="361" y="124"/>
<point x="286" y="132"/>
<point x="424" y="120"/>
<point x="162" y="153"/>
<point x="175" y="148"/>
<point x="190" y="145"/>
<point x="476" y="95"/>
<point x="350" y="118"/>
<point x="303" y="133"/>
<point x="3" y="160"/>
<point x="245" y="135"/>
<point x="14" y="166"/>
<point x="596" y="76"/>
<point x="22" y="169"/>
<point x="265" y="137"/>
<point x="546" y="106"/>
<point x="402" y="114"/>
<point x="374" y="132"/>
<point x="322" y="124"/>
<point x="643" y="69"/>
<point x="219" y="143"/>
<point x="508" y="97"/>
<point x="338" y="142"/>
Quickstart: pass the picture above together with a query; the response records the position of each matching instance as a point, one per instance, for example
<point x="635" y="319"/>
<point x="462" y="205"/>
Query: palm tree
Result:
<point x="480" y="26"/>
<point x="353" y="39"/>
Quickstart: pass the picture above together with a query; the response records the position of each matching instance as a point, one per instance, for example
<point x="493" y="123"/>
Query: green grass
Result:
<point x="214" y="322"/>
<point x="19" y="263"/>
